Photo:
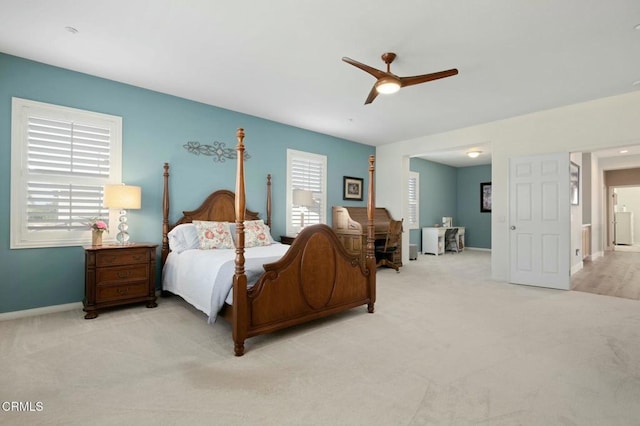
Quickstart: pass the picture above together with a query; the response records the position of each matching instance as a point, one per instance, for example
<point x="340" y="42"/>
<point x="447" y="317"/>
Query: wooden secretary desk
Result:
<point x="350" y="225"/>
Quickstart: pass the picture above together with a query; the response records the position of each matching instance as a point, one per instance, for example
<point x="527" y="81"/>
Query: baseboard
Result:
<point x="577" y="267"/>
<point x="6" y="316"/>
<point x="40" y="311"/>
<point x="476" y="248"/>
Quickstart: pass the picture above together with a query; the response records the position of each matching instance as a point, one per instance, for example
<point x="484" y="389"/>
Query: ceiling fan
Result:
<point x="391" y="83"/>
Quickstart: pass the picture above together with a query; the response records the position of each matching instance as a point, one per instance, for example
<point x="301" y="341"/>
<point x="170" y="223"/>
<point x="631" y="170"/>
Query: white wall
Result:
<point x="598" y="209"/>
<point x="576" y="220"/>
<point x="587" y="126"/>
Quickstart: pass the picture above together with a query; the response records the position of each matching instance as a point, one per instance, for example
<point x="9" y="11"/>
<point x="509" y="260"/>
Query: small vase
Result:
<point x="96" y="238"/>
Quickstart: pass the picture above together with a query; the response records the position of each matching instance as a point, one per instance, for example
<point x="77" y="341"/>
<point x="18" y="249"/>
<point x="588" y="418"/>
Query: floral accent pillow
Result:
<point x="256" y="233"/>
<point x="213" y="235"/>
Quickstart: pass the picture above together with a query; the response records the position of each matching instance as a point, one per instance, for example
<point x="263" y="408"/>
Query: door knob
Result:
<point x="513" y="227"/>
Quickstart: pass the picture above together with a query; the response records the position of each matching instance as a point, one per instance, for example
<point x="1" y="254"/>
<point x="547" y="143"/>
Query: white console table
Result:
<point x="433" y="239"/>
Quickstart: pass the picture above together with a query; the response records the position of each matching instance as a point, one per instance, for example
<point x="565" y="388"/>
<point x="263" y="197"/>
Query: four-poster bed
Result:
<point x="315" y="277"/>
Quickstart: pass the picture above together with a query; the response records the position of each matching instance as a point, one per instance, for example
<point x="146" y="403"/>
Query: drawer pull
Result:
<point x="138" y="257"/>
<point x="122" y="291"/>
<point x="123" y="274"/>
<point x="109" y="259"/>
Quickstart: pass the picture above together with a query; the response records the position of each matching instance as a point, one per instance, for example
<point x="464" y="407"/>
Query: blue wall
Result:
<point x="451" y="191"/>
<point x="155" y="128"/>
<point x="477" y="225"/>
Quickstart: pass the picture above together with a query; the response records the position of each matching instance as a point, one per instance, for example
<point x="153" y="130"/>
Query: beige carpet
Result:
<point x="446" y="346"/>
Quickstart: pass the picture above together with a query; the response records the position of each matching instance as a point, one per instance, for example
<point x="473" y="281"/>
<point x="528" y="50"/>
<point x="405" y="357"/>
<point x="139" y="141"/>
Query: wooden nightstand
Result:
<point x="285" y="239"/>
<point x="119" y="274"/>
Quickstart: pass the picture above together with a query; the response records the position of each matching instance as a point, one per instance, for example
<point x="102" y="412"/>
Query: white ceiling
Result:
<point x="281" y="59"/>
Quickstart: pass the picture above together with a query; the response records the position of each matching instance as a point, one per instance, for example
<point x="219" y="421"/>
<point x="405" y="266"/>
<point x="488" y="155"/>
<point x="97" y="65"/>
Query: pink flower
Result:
<point x="98" y="225"/>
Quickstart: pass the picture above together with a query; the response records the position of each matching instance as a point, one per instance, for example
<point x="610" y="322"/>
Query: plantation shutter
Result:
<point x="306" y="171"/>
<point x="61" y="155"/>
<point x="413" y="198"/>
<point x="61" y="158"/>
<point x="307" y="174"/>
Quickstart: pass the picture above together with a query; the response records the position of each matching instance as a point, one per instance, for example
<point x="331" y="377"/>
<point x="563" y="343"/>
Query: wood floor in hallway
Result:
<point x="617" y="273"/>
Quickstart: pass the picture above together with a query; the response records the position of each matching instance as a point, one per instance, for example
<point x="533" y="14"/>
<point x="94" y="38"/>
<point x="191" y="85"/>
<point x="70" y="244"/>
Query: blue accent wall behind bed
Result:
<point x="155" y="128"/>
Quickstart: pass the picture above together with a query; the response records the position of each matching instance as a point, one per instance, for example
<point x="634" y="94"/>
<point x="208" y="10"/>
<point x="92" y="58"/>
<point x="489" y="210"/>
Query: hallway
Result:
<point x="617" y="274"/>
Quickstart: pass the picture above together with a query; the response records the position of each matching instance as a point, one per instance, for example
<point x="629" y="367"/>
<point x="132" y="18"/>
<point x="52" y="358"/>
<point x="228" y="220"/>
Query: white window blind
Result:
<point x="305" y="171"/>
<point x="414" y="200"/>
<point x="61" y="160"/>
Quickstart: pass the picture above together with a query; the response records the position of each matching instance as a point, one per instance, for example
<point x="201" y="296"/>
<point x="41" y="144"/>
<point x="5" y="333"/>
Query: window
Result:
<point x="414" y="200"/>
<point x="306" y="180"/>
<point x="61" y="158"/>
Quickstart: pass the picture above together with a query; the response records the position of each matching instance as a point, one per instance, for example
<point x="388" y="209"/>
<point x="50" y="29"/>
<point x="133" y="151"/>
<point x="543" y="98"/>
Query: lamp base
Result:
<point x="123" y="235"/>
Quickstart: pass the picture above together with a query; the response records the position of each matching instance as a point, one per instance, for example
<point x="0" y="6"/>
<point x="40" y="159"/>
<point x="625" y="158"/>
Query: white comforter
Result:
<point x="193" y="274"/>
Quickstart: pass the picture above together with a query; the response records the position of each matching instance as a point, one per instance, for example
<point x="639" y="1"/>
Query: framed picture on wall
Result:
<point x="574" y="182"/>
<point x="352" y="188"/>
<point x="485" y="197"/>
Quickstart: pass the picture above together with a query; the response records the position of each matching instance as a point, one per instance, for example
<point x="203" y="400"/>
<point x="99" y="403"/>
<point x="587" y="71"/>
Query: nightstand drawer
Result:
<point x="122" y="257"/>
<point x="105" y="293"/>
<point x="122" y="274"/>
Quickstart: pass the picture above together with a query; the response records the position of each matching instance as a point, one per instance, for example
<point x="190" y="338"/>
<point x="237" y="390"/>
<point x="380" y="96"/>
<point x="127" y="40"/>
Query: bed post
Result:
<point x="240" y="308"/>
<point x="269" y="200"/>
<point x="165" y="215"/>
<point x="371" y="255"/>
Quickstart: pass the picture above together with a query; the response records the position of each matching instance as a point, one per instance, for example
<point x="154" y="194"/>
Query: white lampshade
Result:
<point x="122" y="197"/>
<point x="302" y="197"/>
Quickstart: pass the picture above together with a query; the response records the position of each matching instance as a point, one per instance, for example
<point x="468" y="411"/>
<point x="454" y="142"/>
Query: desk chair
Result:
<point x="451" y="240"/>
<point x="384" y="253"/>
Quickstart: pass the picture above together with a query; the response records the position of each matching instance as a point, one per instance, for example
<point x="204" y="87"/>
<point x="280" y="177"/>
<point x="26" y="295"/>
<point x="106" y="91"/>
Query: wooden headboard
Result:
<point x="219" y="206"/>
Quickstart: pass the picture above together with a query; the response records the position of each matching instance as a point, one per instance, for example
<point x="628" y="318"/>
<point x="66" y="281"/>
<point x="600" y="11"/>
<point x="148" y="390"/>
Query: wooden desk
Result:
<point x="350" y="225"/>
<point x="433" y="239"/>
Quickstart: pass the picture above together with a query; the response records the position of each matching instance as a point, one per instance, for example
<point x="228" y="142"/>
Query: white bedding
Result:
<point x="192" y="274"/>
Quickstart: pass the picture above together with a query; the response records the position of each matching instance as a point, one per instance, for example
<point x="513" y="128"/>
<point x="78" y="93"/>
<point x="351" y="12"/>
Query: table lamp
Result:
<point x="122" y="197"/>
<point x="302" y="198"/>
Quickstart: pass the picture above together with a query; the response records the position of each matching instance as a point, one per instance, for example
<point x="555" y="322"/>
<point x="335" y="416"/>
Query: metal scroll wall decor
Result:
<point x="218" y="151"/>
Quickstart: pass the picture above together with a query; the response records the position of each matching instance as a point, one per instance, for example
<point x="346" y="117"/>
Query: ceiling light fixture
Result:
<point x="474" y="154"/>
<point x="387" y="85"/>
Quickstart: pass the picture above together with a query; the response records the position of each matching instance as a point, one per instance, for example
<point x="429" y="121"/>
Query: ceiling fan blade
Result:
<point x="417" y="79"/>
<point x="374" y="72"/>
<point x="372" y="95"/>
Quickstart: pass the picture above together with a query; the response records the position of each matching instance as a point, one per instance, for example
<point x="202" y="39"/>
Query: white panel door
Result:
<point x="540" y="222"/>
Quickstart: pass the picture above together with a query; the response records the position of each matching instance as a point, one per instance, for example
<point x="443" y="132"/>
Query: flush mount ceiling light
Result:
<point x="387" y="85"/>
<point x="474" y="154"/>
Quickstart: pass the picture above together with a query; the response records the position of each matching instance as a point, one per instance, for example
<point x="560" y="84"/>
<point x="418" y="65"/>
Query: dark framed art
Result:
<point x="352" y="188"/>
<point x="574" y="183"/>
<point x="485" y="197"/>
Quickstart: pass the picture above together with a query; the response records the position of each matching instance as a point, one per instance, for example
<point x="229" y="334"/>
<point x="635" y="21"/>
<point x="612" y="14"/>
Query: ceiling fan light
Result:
<point x="474" y="154"/>
<point x="387" y="85"/>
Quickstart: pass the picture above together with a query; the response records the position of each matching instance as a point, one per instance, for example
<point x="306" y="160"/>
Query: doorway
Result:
<point x="625" y="218"/>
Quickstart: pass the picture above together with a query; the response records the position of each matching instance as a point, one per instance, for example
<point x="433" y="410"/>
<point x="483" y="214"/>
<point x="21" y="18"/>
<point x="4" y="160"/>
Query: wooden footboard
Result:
<point x="316" y="278"/>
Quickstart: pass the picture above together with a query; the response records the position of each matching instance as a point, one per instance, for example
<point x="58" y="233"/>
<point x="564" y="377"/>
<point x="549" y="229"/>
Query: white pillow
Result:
<point x="213" y="235"/>
<point x="183" y="237"/>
